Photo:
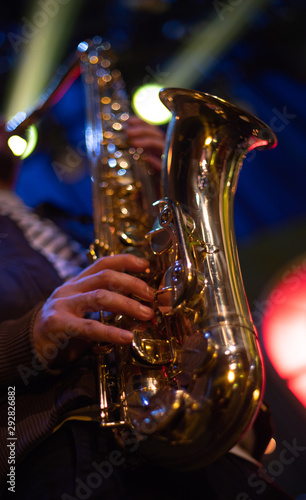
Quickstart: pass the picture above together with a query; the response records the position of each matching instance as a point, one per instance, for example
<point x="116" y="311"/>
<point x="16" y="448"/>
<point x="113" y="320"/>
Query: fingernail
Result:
<point x="126" y="336"/>
<point x="151" y="292"/>
<point x="147" y="311"/>
<point x="141" y="262"/>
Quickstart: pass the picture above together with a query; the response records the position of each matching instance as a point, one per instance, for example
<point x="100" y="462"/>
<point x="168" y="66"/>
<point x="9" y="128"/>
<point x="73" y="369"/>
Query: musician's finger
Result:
<point x="105" y="300"/>
<point x="139" y="125"/>
<point x="154" y="161"/>
<point x="113" y="281"/>
<point x="99" y="332"/>
<point x="122" y="262"/>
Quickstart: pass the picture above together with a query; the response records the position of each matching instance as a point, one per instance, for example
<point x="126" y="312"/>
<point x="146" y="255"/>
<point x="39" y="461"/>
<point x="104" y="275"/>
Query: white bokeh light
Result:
<point x="147" y="105"/>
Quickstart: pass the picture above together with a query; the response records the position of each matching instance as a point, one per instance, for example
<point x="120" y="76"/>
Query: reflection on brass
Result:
<point x="191" y="382"/>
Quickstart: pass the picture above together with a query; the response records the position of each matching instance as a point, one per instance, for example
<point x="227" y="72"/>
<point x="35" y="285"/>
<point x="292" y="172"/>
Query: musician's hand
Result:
<point x="61" y="326"/>
<point x="148" y="137"/>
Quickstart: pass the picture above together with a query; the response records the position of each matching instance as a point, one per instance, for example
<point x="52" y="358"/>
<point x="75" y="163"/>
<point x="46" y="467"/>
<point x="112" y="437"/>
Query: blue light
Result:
<point x="97" y="39"/>
<point x="15" y="121"/>
<point x="83" y="46"/>
<point x="111" y="148"/>
<point x="112" y="162"/>
<point x="173" y="29"/>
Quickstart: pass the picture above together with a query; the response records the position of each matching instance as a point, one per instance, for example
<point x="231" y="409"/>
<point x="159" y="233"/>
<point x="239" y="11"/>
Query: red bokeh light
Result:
<point x="284" y="328"/>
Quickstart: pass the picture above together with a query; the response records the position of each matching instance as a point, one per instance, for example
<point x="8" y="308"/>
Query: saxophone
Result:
<point x="192" y="381"/>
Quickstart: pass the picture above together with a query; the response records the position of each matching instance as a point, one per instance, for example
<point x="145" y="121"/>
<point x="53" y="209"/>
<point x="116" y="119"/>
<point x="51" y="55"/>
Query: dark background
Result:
<point x="262" y="69"/>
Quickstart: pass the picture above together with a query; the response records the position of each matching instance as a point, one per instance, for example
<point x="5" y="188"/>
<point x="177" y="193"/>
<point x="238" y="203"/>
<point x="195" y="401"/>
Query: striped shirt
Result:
<point x="67" y="256"/>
